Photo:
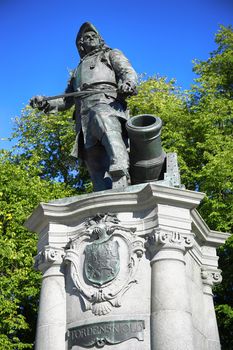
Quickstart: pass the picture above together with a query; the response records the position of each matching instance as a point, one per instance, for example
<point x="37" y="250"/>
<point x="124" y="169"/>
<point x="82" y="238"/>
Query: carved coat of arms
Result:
<point x="104" y="257"/>
<point x="102" y="261"/>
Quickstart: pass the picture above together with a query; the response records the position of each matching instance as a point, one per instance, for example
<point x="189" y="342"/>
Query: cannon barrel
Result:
<point x="147" y="158"/>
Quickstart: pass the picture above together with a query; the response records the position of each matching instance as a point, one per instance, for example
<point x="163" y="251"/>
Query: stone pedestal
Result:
<point x="126" y="270"/>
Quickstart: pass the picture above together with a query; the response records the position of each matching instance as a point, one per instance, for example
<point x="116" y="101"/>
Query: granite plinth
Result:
<point x="167" y="267"/>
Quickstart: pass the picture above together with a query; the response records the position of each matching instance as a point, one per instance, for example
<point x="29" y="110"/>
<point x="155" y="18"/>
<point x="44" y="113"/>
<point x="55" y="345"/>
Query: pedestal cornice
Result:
<point x="138" y="197"/>
<point x="204" y="234"/>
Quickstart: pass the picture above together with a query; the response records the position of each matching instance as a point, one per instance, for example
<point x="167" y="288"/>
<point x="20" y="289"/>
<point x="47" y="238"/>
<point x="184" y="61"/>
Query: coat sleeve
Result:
<point x="122" y="67"/>
<point x="62" y="104"/>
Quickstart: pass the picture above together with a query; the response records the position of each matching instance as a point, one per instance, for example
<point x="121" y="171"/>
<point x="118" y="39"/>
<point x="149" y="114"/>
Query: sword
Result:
<point x="74" y="94"/>
<point x="78" y="93"/>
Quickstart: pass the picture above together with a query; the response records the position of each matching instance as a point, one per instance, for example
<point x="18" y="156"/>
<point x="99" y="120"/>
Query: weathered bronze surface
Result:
<point x="147" y="158"/>
<point x="100" y="334"/>
<point x="102" y="260"/>
<point x="102" y="81"/>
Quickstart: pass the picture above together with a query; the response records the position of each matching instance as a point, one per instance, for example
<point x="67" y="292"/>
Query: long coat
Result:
<point x="97" y="113"/>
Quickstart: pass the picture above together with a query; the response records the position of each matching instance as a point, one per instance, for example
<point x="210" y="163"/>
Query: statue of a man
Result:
<point x="102" y="80"/>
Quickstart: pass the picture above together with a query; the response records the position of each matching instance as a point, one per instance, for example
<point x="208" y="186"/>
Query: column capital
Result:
<point x="209" y="278"/>
<point x="161" y="240"/>
<point x="49" y="256"/>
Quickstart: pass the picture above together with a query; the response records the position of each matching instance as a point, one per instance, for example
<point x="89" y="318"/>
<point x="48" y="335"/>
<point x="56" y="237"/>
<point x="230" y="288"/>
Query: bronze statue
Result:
<point x="98" y="87"/>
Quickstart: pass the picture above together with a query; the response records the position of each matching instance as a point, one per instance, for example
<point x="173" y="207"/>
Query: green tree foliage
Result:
<point x="211" y="129"/>
<point x="197" y="124"/>
<point x="212" y="125"/>
<point x="46" y="140"/>
<point x="20" y="192"/>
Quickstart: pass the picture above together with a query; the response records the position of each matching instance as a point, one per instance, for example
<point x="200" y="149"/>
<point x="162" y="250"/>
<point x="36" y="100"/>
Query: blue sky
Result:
<point x="158" y="36"/>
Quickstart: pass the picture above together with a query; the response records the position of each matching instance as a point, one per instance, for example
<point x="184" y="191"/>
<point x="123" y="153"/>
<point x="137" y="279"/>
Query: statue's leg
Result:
<point x="118" y="158"/>
<point x="105" y="127"/>
<point x="97" y="164"/>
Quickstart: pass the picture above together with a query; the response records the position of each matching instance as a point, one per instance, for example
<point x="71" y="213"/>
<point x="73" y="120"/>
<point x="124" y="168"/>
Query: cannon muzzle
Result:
<point x="147" y="158"/>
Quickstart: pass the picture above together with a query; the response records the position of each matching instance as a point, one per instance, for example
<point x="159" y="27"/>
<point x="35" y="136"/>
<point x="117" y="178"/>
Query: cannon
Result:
<point x="147" y="158"/>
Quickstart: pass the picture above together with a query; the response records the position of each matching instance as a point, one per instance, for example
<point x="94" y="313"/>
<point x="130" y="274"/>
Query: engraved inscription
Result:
<point x="99" y="334"/>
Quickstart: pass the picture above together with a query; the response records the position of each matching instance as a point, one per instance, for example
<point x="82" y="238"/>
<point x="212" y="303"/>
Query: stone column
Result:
<point x="209" y="278"/>
<point x="51" y="322"/>
<point x="171" y="319"/>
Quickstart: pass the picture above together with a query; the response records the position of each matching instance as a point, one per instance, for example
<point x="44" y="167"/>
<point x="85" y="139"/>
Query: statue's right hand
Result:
<point x="39" y="102"/>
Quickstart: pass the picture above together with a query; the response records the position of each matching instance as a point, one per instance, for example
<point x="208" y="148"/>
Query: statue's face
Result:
<point x="91" y="41"/>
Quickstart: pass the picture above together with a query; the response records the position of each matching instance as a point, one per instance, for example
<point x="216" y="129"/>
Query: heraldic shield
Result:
<point x="104" y="258"/>
<point x="102" y="261"/>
